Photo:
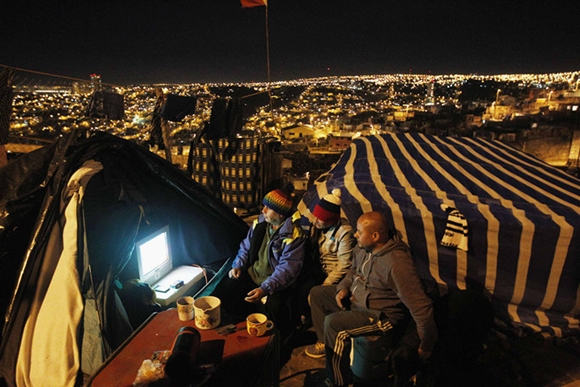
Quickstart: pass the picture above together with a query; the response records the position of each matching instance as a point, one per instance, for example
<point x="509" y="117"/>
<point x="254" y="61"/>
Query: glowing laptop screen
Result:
<point x="154" y="256"/>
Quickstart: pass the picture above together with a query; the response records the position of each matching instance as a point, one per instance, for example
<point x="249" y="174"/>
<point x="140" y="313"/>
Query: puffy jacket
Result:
<point x="285" y="253"/>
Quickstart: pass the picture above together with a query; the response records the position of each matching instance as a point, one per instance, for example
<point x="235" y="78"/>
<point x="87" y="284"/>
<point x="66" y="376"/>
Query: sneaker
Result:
<point x="315" y="351"/>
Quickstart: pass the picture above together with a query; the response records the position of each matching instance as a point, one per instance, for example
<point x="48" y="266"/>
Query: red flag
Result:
<point x="253" y="3"/>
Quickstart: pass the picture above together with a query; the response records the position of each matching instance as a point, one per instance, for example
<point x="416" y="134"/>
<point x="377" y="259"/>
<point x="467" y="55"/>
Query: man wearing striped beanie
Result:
<point x="333" y="236"/>
<point x="327" y="210"/>
<point x="331" y="244"/>
<point x="268" y="262"/>
<point x="279" y="201"/>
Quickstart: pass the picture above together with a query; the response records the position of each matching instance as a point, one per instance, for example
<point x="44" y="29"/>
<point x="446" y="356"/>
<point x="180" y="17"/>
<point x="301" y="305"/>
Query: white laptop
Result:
<point x="156" y="268"/>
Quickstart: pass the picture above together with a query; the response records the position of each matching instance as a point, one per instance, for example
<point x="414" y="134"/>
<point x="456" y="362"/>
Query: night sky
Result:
<point x="191" y="41"/>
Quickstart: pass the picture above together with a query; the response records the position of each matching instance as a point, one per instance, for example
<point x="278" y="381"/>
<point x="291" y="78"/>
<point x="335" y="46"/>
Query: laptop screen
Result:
<point x="154" y="256"/>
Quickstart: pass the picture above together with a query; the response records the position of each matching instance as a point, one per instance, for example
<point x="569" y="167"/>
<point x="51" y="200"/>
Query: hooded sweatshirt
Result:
<point x="387" y="282"/>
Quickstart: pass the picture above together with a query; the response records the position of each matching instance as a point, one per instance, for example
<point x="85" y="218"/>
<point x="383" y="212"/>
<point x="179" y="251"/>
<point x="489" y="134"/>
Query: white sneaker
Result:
<point x="315" y="351"/>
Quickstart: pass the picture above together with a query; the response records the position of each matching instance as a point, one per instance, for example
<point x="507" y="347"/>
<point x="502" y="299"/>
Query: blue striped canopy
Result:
<point x="522" y="215"/>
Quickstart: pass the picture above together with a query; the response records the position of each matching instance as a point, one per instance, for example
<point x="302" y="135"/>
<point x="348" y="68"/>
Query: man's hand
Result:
<point x="255" y="295"/>
<point x="341" y="295"/>
<point x="235" y="273"/>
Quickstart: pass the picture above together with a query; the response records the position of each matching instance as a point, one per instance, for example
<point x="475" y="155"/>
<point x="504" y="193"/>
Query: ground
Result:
<point x="530" y="360"/>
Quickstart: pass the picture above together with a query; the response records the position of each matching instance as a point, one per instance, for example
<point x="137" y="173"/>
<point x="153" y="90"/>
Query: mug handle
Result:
<point x="269" y="325"/>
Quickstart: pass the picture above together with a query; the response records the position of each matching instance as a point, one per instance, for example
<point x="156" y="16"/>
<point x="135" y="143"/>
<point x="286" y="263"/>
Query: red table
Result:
<point x="245" y="361"/>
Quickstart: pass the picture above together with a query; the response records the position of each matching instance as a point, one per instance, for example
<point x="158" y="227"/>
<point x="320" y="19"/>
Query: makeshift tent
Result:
<point x="521" y="217"/>
<point x="70" y="214"/>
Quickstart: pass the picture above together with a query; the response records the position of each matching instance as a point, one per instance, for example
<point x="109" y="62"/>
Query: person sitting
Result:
<point x="267" y="264"/>
<point x="376" y="297"/>
<point x="331" y="241"/>
<point x="139" y="301"/>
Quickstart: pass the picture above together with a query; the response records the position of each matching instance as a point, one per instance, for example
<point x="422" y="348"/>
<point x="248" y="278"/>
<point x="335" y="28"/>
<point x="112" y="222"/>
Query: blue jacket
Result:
<point x="285" y="254"/>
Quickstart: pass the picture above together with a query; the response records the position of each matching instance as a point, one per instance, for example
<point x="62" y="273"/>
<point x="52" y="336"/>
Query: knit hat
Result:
<point x="328" y="208"/>
<point x="280" y="200"/>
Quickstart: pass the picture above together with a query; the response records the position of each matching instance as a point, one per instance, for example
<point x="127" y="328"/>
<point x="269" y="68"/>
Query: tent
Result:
<point x="70" y="214"/>
<point x="477" y="214"/>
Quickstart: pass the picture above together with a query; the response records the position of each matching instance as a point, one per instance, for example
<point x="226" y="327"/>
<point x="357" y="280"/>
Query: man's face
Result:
<point x="364" y="236"/>
<point x="272" y="216"/>
<point x="321" y="225"/>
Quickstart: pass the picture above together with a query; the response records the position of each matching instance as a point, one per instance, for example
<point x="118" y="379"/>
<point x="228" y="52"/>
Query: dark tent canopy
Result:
<point x="70" y="214"/>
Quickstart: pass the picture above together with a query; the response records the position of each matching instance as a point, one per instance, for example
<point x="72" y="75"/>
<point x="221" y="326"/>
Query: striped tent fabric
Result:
<point x="474" y="212"/>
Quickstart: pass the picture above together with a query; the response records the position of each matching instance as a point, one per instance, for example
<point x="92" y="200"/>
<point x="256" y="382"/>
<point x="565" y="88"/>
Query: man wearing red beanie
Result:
<point x="333" y="236"/>
<point x="332" y="241"/>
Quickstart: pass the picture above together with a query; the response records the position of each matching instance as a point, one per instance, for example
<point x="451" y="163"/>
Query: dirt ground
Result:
<point x="531" y="360"/>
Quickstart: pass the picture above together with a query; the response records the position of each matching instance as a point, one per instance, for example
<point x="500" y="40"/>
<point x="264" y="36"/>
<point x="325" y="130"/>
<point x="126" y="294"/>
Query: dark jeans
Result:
<point x="232" y="292"/>
<point x="335" y="328"/>
<point x="309" y="277"/>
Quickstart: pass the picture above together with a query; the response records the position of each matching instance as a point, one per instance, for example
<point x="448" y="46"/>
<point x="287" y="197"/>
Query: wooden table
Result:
<point x="245" y="360"/>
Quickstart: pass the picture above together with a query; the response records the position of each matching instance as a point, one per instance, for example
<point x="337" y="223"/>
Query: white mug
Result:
<point x="207" y="312"/>
<point x="185" y="308"/>
<point x="258" y="324"/>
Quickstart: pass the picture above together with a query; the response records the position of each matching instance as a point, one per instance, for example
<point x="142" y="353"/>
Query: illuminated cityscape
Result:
<point x="323" y="114"/>
<point x="314" y="120"/>
<point x="373" y="98"/>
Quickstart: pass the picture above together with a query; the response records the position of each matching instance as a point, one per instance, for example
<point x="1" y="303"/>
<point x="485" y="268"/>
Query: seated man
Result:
<point x="334" y="238"/>
<point x="268" y="262"/>
<point x="331" y="243"/>
<point x="375" y="297"/>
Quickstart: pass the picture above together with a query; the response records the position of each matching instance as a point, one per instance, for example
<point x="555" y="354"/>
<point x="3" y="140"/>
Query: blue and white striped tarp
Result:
<point x="521" y="215"/>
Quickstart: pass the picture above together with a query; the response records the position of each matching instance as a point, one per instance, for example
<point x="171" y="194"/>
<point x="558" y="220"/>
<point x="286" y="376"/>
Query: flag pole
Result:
<point x="268" y="67"/>
<point x="259" y="3"/>
<point x="267" y="46"/>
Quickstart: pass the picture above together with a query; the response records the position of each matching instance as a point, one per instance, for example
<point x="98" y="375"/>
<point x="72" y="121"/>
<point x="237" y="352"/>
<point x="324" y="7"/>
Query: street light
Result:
<point x="497" y="96"/>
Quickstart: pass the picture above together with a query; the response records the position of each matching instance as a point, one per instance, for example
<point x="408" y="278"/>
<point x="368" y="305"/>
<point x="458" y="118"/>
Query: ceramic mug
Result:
<point x="185" y="308"/>
<point x="258" y="324"/>
<point x="207" y="312"/>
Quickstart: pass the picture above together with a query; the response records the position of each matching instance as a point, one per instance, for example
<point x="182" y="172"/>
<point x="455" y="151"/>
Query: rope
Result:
<point x="57" y="76"/>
